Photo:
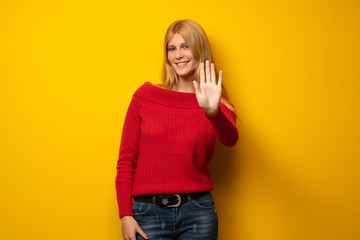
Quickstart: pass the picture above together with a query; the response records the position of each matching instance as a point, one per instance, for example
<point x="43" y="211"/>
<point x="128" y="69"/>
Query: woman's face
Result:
<point x="181" y="57"/>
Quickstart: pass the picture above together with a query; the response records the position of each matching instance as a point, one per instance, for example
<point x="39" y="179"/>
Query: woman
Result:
<point x="168" y="140"/>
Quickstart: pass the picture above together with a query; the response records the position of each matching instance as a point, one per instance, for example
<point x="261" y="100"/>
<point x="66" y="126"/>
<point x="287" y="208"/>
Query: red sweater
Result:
<point x="167" y="143"/>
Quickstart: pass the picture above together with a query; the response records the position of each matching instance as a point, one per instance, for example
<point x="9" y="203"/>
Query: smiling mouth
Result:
<point x="181" y="63"/>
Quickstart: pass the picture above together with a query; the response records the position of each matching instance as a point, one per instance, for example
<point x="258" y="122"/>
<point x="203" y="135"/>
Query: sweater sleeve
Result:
<point x="224" y="125"/>
<point x="127" y="159"/>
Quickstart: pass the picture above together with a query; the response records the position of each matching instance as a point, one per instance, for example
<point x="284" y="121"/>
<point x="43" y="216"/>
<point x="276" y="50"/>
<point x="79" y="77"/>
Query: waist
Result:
<point x="170" y="200"/>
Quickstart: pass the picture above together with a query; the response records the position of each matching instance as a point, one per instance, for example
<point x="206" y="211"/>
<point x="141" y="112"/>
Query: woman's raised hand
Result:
<point x="208" y="93"/>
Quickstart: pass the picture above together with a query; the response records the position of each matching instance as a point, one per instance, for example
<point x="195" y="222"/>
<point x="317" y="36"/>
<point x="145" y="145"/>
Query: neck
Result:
<point x="184" y="85"/>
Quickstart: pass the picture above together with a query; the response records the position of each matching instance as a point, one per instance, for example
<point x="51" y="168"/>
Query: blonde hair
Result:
<point x="196" y="38"/>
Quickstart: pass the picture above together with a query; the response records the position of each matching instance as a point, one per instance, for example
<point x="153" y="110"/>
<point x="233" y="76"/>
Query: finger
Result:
<point x="197" y="87"/>
<point x="202" y="74"/>
<point x="213" y="75"/>
<point x="141" y="232"/>
<point x="208" y="78"/>
<point x="220" y="78"/>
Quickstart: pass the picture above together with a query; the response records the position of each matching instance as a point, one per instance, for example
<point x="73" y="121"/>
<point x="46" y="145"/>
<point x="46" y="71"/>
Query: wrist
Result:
<point x="126" y="217"/>
<point x="212" y="112"/>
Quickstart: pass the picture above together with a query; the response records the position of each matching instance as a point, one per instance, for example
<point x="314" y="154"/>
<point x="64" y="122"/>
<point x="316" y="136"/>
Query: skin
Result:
<point x="179" y="51"/>
<point x="208" y="95"/>
<point x="130" y="227"/>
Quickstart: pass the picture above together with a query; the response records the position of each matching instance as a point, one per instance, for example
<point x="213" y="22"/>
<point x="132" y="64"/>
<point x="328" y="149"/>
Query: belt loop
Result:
<point x="154" y="199"/>
<point x="189" y="197"/>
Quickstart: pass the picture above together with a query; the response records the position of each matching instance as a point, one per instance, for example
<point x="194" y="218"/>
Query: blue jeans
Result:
<point x="193" y="220"/>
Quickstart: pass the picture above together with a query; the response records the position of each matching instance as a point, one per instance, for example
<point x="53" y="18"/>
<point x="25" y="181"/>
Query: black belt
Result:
<point x="170" y="200"/>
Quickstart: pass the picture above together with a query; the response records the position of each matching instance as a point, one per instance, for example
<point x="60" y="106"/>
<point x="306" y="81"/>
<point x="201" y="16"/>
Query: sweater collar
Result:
<point x="168" y="97"/>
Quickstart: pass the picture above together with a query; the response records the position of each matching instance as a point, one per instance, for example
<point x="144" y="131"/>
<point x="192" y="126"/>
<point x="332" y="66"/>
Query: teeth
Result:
<point x="179" y="64"/>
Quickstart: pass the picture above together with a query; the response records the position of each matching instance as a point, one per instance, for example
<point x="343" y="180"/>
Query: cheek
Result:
<point x="169" y="57"/>
<point x="191" y="56"/>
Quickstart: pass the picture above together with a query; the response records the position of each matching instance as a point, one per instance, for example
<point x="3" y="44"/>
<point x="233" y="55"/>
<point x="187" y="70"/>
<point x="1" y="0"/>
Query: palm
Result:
<point x="208" y="93"/>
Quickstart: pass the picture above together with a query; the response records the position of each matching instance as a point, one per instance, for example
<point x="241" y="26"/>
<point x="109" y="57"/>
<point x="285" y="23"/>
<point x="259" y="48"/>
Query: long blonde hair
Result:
<point x="196" y="37"/>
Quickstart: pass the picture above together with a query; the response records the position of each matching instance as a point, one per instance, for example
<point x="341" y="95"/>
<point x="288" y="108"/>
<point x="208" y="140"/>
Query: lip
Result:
<point x="182" y="62"/>
<point x="186" y="62"/>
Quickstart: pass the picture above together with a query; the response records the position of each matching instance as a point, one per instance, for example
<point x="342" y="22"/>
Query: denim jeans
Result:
<point x="193" y="220"/>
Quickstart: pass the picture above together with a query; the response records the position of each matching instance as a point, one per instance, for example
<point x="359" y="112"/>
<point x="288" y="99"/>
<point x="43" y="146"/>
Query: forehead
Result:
<point x="176" y="39"/>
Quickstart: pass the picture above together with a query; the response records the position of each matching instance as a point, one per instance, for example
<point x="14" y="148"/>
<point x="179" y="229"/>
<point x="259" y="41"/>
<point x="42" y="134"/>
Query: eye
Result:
<point x="186" y="46"/>
<point x="171" y="49"/>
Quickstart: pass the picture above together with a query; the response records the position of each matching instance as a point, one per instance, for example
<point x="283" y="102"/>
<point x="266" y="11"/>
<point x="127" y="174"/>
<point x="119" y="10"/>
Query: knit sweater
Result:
<point x="167" y="143"/>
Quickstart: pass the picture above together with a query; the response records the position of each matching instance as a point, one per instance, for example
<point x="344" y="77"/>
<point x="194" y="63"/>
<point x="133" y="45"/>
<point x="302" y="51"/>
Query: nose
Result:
<point x="179" y="53"/>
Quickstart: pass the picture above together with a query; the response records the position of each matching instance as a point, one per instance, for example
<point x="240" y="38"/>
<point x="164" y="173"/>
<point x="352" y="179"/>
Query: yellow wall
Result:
<point x="67" y="73"/>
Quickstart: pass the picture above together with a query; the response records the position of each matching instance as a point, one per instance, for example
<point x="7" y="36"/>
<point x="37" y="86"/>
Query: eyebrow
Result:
<point x="180" y="44"/>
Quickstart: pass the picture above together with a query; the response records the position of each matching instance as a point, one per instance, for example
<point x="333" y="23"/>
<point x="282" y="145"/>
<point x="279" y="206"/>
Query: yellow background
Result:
<point x="68" y="70"/>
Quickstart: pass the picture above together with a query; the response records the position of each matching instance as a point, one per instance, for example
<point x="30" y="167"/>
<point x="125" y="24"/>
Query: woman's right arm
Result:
<point x="127" y="160"/>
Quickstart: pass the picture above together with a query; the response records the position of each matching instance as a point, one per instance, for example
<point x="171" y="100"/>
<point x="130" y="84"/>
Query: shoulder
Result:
<point x="143" y="89"/>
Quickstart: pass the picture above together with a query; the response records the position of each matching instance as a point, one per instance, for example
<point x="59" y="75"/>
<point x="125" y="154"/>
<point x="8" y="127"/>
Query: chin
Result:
<point x="185" y="74"/>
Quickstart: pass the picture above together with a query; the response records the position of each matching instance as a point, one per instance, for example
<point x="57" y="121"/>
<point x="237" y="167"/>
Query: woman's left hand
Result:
<point x="208" y="93"/>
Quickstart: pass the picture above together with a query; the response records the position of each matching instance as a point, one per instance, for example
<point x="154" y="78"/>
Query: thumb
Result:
<point x="196" y="86"/>
<point x="141" y="232"/>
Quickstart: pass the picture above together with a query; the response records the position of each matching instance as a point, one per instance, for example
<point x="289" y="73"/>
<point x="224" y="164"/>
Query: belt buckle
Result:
<point x="165" y="201"/>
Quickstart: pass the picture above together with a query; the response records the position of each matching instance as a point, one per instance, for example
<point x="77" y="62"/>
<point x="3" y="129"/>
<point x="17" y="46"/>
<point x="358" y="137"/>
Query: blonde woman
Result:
<point x="163" y="182"/>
